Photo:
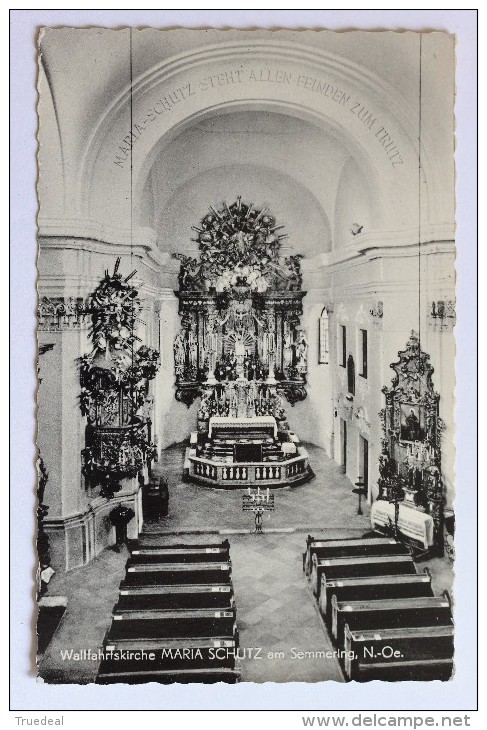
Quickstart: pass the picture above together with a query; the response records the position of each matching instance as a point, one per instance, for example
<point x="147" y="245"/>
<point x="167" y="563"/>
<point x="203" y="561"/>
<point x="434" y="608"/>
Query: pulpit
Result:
<point x="115" y="396"/>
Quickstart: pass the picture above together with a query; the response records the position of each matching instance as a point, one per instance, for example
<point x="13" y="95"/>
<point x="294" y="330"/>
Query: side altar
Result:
<point x="242" y="350"/>
<point x="411" y="493"/>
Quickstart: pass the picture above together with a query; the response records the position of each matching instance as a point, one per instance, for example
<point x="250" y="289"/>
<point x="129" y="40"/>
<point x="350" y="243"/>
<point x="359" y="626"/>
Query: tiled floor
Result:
<point x="275" y="611"/>
<point x="325" y="502"/>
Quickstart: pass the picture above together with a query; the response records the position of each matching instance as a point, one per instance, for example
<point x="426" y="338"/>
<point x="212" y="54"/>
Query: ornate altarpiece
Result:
<point x="240" y="306"/>
<point x="410" y="463"/>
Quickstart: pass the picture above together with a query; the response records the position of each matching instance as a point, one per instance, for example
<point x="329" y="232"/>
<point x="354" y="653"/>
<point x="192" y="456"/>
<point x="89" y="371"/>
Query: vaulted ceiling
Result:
<point x="269" y="159"/>
<point x="314" y="163"/>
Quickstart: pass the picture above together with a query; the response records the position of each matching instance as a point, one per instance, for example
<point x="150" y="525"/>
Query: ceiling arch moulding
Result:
<point x="434" y="238"/>
<point x="271" y="52"/>
<point x="82" y="231"/>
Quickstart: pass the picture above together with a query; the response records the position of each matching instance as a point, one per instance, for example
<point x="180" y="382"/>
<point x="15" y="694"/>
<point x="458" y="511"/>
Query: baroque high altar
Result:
<point x="241" y="348"/>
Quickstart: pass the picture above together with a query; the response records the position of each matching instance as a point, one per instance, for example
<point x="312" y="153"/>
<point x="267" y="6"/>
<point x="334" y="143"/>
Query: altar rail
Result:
<point x="290" y="471"/>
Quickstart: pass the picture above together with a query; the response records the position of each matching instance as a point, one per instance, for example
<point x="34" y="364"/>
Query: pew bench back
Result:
<point x="388" y="614"/>
<point x="349" y="567"/>
<point x="369" y="588"/>
<point x="408" y="643"/>
<point x="361" y="547"/>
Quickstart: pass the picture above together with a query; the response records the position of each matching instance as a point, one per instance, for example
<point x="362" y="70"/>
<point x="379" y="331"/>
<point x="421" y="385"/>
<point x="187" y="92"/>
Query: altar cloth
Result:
<point x="222" y="422"/>
<point x="411" y="522"/>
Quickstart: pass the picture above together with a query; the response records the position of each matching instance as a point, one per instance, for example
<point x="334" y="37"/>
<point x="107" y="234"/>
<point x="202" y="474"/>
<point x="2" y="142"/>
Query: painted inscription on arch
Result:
<point x="332" y="92"/>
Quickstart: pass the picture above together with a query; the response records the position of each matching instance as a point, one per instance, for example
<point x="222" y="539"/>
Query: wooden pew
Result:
<point x="176" y="574"/>
<point x="180" y="554"/>
<point x="177" y="605"/>
<point x="410" y="652"/>
<point x="369" y="588"/>
<point x="388" y="614"/>
<point x="148" y="540"/>
<point x="182" y="676"/>
<point x="355" y="546"/>
<point x="349" y="567"/>
<point x="310" y="540"/>
<point x="141" y="598"/>
<point x="426" y="671"/>
<point x="202" y="622"/>
<point x="135" y="656"/>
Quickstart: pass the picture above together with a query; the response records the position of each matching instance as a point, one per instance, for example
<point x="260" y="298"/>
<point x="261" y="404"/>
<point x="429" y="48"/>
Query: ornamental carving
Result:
<point x="240" y="305"/>
<point x="441" y="315"/>
<point x="63" y="313"/>
<point x="377" y="310"/>
<point x="410" y="463"/>
<point x="114" y="380"/>
<point x="239" y="246"/>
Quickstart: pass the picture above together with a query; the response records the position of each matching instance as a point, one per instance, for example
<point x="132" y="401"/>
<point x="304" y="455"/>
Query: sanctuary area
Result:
<point x="246" y="356"/>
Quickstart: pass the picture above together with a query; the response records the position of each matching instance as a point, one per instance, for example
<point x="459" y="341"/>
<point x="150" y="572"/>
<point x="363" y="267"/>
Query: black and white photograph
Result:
<point x="246" y="356"/>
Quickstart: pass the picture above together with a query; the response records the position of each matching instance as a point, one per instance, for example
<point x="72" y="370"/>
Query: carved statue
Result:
<point x="208" y="406"/>
<point x="295" y="279"/>
<point x="433" y="486"/>
<point x="232" y="400"/>
<point x="239" y="346"/>
<point x="180" y="351"/>
<point x="188" y="273"/>
<point x="277" y="407"/>
<point x="301" y="351"/>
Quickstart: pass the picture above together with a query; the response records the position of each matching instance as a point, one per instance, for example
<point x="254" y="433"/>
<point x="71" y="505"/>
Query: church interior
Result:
<point x="246" y="357"/>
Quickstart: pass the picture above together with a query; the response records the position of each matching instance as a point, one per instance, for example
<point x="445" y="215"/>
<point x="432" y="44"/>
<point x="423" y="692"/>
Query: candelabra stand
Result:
<point x="396" y="496"/>
<point x="361" y="491"/>
<point x="258" y="502"/>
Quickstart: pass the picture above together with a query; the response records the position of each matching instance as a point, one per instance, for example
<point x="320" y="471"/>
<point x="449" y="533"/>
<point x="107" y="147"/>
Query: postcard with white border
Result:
<point x="246" y="356"/>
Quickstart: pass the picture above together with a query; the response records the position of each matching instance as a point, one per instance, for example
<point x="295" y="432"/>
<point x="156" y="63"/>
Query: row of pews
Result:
<point x="381" y="613"/>
<point x="175" y="619"/>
